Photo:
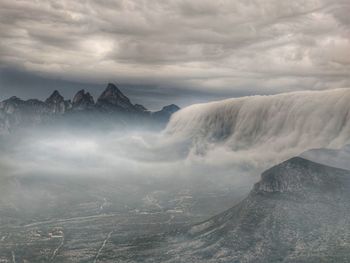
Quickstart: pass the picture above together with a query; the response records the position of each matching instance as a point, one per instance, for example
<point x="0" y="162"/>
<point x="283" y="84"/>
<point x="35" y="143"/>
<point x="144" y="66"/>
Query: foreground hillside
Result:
<point x="298" y="212"/>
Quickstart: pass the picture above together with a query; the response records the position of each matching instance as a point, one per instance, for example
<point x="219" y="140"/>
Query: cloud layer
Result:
<point x="219" y="47"/>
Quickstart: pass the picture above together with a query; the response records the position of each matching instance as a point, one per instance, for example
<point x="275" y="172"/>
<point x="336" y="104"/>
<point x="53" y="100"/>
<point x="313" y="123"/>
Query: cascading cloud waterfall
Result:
<point x="265" y="128"/>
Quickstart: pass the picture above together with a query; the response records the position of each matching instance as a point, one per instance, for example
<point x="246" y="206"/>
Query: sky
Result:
<point x="164" y="51"/>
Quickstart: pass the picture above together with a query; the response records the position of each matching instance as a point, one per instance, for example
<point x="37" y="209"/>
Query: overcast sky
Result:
<point x="181" y="51"/>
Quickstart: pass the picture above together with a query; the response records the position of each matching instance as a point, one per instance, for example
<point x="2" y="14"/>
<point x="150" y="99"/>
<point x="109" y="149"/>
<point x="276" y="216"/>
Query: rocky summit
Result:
<point x="112" y="99"/>
<point x="83" y="101"/>
<point x="57" y="104"/>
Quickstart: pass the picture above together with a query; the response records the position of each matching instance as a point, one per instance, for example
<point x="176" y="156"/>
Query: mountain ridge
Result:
<point x="111" y="104"/>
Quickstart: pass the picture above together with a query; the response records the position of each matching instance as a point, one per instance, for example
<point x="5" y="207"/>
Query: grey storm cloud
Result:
<point x="219" y="47"/>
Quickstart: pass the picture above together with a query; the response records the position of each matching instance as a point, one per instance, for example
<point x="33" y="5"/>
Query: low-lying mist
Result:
<point x="51" y="172"/>
<point x="206" y="159"/>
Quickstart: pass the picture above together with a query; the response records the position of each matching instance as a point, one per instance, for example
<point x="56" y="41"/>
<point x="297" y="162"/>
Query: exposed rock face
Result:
<point x="57" y="104"/>
<point x="298" y="212"/>
<point x="83" y="101"/>
<point x="112" y="99"/>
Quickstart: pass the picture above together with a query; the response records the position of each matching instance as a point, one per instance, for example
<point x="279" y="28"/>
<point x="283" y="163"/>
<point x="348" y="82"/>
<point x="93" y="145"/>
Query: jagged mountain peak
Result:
<point x="112" y="93"/>
<point x="83" y="99"/>
<point x="57" y="104"/>
<point x="79" y="93"/>
<point x="55" y="97"/>
<point x="112" y="99"/>
<point x="112" y="87"/>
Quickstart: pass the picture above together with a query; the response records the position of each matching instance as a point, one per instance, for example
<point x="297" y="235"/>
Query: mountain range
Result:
<point x="111" y="104"/>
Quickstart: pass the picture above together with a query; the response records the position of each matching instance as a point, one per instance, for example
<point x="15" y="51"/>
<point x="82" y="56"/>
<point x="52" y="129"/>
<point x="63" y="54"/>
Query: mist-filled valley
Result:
<point x="75" y="193"/>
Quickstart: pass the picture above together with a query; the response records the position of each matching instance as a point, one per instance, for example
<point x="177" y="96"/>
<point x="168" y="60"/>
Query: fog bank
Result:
<point x="263" y="130"/>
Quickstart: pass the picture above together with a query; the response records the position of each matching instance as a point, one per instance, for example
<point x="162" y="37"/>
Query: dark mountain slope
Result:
<point x="83" y="101"/>
<point x="298" y="212"/>
<point x="112" y="99"/>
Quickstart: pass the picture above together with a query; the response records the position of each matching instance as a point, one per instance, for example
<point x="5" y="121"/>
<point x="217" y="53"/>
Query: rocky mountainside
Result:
<point x="298" y="212"/>
<point x="111" y="106"/>
<point x="83" y="101"/>
<point x="112" y="99"/>
<point x="57" y="104"/>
